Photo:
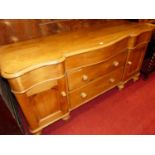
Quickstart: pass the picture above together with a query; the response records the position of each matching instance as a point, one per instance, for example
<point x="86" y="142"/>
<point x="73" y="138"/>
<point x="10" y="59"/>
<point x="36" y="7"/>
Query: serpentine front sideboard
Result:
<point x="53" y="75"/>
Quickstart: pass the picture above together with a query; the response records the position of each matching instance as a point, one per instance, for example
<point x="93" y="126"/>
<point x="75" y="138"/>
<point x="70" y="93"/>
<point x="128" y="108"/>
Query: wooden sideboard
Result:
<point x="53" y="75"/>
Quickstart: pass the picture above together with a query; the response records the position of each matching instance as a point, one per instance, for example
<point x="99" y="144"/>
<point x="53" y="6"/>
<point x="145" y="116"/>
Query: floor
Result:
<point x="130" y="111"/>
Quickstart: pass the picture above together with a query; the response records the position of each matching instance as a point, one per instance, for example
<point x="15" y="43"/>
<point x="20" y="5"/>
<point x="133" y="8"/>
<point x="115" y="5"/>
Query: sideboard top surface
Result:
<point x="28" y="55"/>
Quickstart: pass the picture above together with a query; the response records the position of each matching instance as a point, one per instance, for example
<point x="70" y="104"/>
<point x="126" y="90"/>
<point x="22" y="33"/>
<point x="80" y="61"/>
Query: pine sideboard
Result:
<point x="51" y="76"/>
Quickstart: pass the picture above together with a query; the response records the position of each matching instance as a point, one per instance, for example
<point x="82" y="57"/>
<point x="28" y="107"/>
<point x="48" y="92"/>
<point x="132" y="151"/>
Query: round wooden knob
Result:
<point x="112" y="80"/>
<point x="100" y="43"/>
<point x="63" y="93"/>
<point x="116" y="63"/>
<point x="83" y="95"/>
<point x="14" y="39"/>
<point x="7" y="23"/>
<point x="84" y="77"/>
<point x="129" y="63"/>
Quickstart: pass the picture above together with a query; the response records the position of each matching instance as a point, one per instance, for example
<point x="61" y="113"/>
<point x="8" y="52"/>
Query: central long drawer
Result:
<point x="95" y="56"/>
<point x="94" y="88"/>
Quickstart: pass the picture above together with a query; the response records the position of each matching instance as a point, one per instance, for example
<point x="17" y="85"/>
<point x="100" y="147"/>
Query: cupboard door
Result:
<point x="44" y="104"/>
<point x="134" y="61"/>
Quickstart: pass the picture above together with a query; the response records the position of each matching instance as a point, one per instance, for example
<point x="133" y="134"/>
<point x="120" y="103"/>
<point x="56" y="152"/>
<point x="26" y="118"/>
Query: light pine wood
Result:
<point x="51" y="76"/>
<point x="134" y="61"/>
<point x="136" y="77"/>
<point x="84" y="94"/>
<point x="39" y="132"/>
<point x="46" y="106"/>
<point x="95" y="56"/>
<point x="66" y="118"/>
<point x="26" y="29"/>
<point x="55" y="49"/>
<point x="35" y="77"/>
<point x="120" y="86"/>
<point x="78" y="78"/>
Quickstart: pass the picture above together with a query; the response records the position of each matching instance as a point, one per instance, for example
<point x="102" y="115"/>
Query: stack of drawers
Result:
<point x="90" y="74"/>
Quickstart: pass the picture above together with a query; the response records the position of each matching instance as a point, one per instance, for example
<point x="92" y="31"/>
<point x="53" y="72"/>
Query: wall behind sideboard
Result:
<point x="15" y="30"/>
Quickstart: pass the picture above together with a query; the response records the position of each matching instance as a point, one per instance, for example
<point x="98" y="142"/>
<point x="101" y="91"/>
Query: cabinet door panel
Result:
<point x="46" y="102"/>
<point x="134" y="61"/>
<point x="42" y="107"/>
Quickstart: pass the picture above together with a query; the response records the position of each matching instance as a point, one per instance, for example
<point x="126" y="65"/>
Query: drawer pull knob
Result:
<point x="84" y="77"/>
<point x="100" y="43"/>
<point x="129" y="63"/>
<point x="83" y="95"/>
<point x="112" y="80"/>
<point x="7" y="23"/>
<point x="116" y="63"/>
<point x="63" y="93"/>
<point x="14" y="39"/>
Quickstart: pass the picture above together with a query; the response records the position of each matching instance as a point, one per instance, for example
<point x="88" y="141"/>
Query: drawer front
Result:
<point x="96" y="87"/>
<point x="134" y="61"/>
<point x="96" y="56"/>
<point x="83" y="76"/>
<point x="36" y="77"/>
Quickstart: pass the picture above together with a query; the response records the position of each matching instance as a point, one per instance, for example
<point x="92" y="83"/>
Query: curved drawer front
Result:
<point x="83" y="76"/>
<point x="95" y="56"/>
<point x="36" y="77"/>
<point x="96" y="87"/>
